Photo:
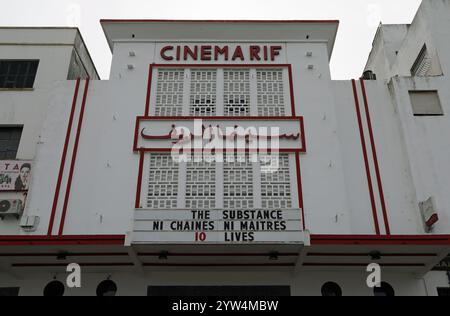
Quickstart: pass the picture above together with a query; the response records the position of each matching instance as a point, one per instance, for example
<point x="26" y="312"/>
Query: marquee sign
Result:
<point x="249" y="134"/>
<point x="218" y="226"/>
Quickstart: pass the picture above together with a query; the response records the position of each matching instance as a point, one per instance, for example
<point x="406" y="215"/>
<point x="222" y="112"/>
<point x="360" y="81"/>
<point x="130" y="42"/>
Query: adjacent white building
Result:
<point x="361" y="175"/>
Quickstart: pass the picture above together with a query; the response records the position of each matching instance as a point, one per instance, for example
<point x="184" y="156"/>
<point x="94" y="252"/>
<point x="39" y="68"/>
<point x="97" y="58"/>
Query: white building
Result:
<point x="363" y="172"/>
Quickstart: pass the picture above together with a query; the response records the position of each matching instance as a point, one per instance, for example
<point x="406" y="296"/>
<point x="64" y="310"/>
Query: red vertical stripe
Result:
<point x="74" y="157"/>
<point x="375" y="159"/>
<point x="291" y="90"/>
<point x="137" y="203"/>
<point x="63" y="159"/>
<point x="299" y="188"/>
<point x="149" y="88"/>
<point x="366" y="160"/>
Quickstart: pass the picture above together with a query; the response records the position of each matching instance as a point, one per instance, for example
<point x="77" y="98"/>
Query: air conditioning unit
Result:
<point x="12" y="208"/>
<point x="429" y="212"/>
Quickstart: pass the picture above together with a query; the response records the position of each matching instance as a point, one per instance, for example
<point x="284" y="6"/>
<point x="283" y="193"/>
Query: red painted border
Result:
<point x="62" y="240"/>
<point x="74" y="157"/>
<point x="223" y="118"/>
<point x="215" y="66"/>
<point x="300" y="188"/>
<point x="418" y="240"/>
<point x="218" y="21"/>
<point x="316" y="264"/>
<point x="366" y="160"/>
<point x="375" y="159"/>
<point x="63" y="159"/>
<point x="137" y="203"/>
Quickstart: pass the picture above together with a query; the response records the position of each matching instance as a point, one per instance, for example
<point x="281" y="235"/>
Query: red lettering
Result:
<point x="274" y="51"/>
<point x="266" y="53"/>
<point x="205" y="52"/>
<point x="178" y="52"/>
<point x="221" y="51"/>
<point x="163" y="52"/>
<point x="238" y="54"/>
<point x="7" y="166"/>
<point x="189" y="53"/>
<point x="254" y="52"/>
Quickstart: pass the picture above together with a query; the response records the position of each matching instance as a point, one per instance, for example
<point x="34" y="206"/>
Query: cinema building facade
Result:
<point x="359" y="174"/>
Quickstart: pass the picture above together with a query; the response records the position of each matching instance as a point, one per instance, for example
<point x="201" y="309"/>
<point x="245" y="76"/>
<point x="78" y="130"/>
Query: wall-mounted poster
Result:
<point x="14" y="175"/>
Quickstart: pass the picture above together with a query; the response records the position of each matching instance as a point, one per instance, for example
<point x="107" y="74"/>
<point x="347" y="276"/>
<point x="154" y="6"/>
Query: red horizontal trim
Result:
<point x="222" y="65"/>
<point x="315" y="264"/>
<point x="218" y="264"/>
<point x="219" y="118"/>
<point x="62" y="240"/>
<point x="318" y="254"/>
<point x="217" y="254"/>
<point x="106" y="254"/>
<point x="43" y="265"/>
<point x="215" y="21"/>
<point x="380" y="240"/>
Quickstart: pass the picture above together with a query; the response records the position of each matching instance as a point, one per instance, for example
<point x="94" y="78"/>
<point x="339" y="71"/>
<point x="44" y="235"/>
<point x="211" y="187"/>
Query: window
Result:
<point x="169" y="92"/>
<point x="203" y="92"/>
<point x="9" y="142"/>
<point x="443" y="291"/>
<point x="270" y="92"/>
<point x="276" y="186"/>
<point x="426" y="103"/>
<point x="163" y="182"/>
<point x="54" y="288"/>
<point x="331" y="289"/>
<point x="9" y="291"/>
<point x="242" y="182"/>
<point x="236" y="92"/>
<point x="422" y="64"/>
<point x="17" y="74"/>
<point x="219" y="291"/>
<point x="106" y="288"/>
<point x="220" y="92"/>
<point x="384" y="290"/>
<point x="200" y="184"/>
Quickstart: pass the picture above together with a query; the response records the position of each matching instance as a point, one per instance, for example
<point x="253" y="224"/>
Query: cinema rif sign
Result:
<point x="220" y="52"/>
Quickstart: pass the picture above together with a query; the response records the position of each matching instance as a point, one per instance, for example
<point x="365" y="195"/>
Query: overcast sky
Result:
<point x="358" y="20"/>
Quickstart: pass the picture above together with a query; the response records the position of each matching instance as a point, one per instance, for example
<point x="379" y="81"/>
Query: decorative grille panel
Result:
<point x="236" y="92"/>
<point x="162" y="182"/>
<point x="238" y="182"/>
<point x="203" y="92"/>
<point x="169" y="92"/>
<point x="200" y="184"/>
<point x="276" y="185"/>
<point x="270" y="89"/>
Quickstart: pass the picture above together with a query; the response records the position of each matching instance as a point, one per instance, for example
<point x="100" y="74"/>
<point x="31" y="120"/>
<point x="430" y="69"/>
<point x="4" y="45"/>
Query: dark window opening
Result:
<point x="9" y="291"/>
<point x="107" y="288"/>
<point x="443" y="291"/>
<point x="331" y="289"/>
<point x="54" y="288"/>
<point x="18" y="74"/>
<point x="9" y="142"/>
<point x="384" y="290"/>
<point x="218" y="291"/>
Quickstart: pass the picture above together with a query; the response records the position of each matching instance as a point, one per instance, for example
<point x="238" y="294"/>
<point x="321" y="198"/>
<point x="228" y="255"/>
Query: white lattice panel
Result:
<point x="200" y="184"/>
<point x="238" y="182"/>
<point x="162" y="182"/>
<point x="236" y="92"/>
<point x="276" y="183"/>
<point x="169" y="92"/>
<point x="270" y="88"/>
<point x="203" y="92"/>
